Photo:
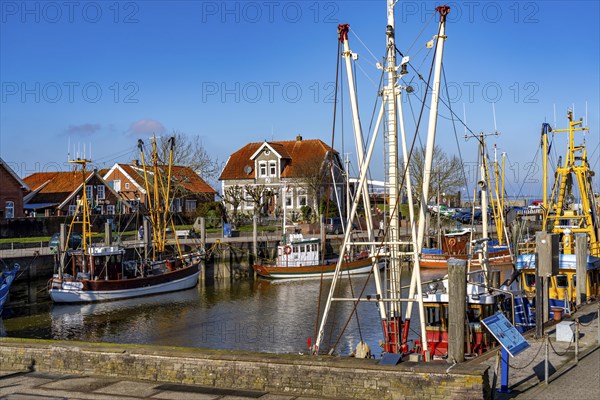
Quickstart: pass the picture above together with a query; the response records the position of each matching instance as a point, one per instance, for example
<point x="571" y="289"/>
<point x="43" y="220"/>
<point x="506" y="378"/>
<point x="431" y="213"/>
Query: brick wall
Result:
<point x="325" y="377"/>
<point x="10" y="190"/>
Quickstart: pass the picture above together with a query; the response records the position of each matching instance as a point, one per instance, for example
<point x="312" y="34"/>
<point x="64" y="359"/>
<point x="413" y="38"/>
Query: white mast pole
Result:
<point x="362" y="181"/>
<point x="360" y="153"/>
<point x="441" y="38"/>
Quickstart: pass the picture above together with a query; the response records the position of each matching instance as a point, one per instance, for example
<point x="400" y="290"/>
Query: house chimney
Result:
<point x="299" y="138"/>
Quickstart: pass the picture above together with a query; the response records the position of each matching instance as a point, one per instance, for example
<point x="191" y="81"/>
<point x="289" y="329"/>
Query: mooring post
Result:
<point x="62" y="251"/>
<point x="581" y="267"/>
<point x="107" y="234"/>
<point x="203" y="247"/>
<point x="457" y="302"/>
<point x="255" y="243"/>
<point x="146" y="236"/>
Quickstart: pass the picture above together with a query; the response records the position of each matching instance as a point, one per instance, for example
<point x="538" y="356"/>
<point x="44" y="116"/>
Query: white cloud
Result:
<point x="83" y="129"/>
<point x="146" y="126"/>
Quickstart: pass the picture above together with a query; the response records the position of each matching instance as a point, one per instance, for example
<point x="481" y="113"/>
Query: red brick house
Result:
<point x="57" y="193"/>
<point x="287" y="170"/>
<point x="12" y="191"/>
<point x="189" y="189"/>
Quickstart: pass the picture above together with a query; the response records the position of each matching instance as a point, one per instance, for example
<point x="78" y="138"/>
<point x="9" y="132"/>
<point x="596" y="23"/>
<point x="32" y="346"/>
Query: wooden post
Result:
<point x="203" y="246"/>
<point x="457" y="292"/>
<point x="147" y="237"/>
<point x="107" y="234"/>
<point x="62" y="251"/>
<point x="581" y="267"/>
<point x="254" y="257"/>
<point x="323" y="236"/>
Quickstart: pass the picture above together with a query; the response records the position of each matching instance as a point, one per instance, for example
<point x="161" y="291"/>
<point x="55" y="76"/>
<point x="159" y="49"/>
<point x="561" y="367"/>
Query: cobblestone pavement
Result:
<point x="578" y="380"/>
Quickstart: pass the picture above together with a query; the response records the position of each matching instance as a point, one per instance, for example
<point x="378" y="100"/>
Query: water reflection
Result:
<point x="264" y="316"/>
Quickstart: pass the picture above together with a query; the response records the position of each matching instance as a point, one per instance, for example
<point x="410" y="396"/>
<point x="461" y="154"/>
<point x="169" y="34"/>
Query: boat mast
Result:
<point x="83" y="208"/>
<point x="360" y="155"/>
<point x="585" y="221"/>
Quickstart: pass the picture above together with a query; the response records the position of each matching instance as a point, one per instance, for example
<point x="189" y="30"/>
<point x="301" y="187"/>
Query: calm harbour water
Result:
<point x="265" y="316"/>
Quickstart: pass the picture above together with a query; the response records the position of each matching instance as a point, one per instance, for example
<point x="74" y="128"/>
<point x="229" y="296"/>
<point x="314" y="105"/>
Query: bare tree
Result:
<point x="190" y="152"/>
<point x="446" y="174"/>
<point x="234" y="195"/>
<point x="259" y="195"/>
<point x="314" y="175"/>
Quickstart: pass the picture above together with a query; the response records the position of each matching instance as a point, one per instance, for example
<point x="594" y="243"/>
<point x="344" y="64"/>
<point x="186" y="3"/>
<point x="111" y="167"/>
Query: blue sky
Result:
<point x="107" y="73"/>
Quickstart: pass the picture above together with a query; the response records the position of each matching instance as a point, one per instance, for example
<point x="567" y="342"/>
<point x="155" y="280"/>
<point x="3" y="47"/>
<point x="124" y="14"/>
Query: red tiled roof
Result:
<point x="59" y="185"/>
<point x="298" y="151"/>
<point x="191" y="181"/>
<point x="184" y="176"/>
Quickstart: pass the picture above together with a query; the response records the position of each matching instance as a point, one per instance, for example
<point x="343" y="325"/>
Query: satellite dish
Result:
<point x="247" y="169"/>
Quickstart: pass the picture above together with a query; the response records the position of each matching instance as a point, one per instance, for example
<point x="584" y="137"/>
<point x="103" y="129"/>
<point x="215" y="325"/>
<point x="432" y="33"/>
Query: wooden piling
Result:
<point x="203" y="247"/>
<point x="107" y="234"/>
<point x="457" y="302"/>
<point x="581" y="267"/>
<point x="252" y="258"/>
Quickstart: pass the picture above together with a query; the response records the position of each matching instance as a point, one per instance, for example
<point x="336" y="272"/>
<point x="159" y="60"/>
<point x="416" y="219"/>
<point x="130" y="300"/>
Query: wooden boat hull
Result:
<point x="441" y="260"/>
<point x="85" y="291"/>
<point x="363" y="266"/>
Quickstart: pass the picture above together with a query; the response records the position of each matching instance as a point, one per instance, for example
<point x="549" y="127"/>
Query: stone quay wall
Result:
<point x="299" y="375"/>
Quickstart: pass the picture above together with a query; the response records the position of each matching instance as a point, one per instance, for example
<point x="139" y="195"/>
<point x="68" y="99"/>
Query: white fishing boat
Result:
<point x="100" y="273"/>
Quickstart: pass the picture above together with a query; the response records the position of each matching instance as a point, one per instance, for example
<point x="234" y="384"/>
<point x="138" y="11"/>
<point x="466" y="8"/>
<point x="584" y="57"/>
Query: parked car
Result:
<point x="466" y="217"/>
<point x="74" y="242"/>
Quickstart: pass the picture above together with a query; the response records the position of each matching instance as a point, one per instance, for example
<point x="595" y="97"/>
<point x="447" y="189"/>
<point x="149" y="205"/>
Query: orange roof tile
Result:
<point x="298" y="151"/>
<point x="181" y="175"/>
<point x="54" y="186"/>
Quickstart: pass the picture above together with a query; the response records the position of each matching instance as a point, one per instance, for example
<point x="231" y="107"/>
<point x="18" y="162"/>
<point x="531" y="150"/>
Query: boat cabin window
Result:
<point x="530" y="280"/>
<point x="562" y="281"/>
<point x="436" y="316"/>
<point x="302" y="248"/>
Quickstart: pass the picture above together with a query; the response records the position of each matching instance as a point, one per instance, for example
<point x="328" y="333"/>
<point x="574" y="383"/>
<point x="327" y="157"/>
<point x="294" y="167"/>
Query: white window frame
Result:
<point x="101" y="192"/>
<point x="273" y="168"/>
<point x="176" y="205"/>
<point x="9" y="209"/>
<point x="190" y="205"/>
<point x="110" y="209"/>
<point x="248" y="203"/>
<point x="72" y="209"/>
<point x="126" y="185"/>
<point x="302" y="198"/>
<point x="89" y="192"/>
<point x="262" y="169"/>
<point x="117" y="185"/>
<point x="289" y="199"/>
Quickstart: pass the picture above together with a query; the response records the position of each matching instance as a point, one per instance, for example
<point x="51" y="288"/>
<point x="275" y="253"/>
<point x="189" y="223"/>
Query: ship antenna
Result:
<point x="494" y="112"/>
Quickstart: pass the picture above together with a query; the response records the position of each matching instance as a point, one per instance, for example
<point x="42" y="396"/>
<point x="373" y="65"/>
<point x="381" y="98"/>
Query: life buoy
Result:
<point x="451" y="242"/>
<point x="287" y="250"/>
